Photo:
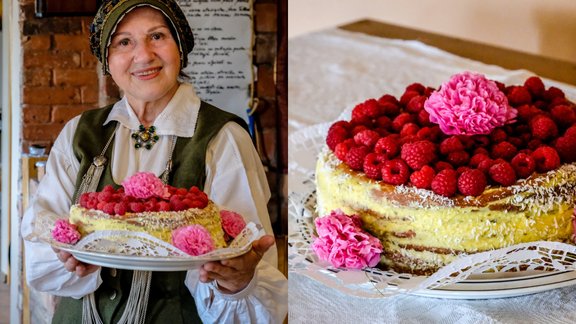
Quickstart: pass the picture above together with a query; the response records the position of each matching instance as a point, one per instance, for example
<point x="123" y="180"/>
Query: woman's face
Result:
<point x="143" y="57"/>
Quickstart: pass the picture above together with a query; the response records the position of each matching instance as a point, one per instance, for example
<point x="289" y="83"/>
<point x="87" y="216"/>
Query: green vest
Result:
<point x="170" y="300"/>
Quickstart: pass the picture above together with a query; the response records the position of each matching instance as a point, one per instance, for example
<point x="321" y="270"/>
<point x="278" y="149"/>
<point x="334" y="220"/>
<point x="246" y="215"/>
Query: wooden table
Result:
<point x="510" y="59"/>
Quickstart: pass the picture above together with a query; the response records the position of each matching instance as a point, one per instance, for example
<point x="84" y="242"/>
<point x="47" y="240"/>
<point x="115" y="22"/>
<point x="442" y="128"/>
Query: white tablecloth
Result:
<point x="330" y="72"/>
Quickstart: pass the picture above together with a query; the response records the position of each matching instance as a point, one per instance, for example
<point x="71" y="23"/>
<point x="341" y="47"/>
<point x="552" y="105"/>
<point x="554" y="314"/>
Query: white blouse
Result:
<point x="235" y="179"/>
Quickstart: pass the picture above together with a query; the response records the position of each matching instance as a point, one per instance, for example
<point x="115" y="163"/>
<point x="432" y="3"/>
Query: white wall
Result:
<point x="543" y="27"/>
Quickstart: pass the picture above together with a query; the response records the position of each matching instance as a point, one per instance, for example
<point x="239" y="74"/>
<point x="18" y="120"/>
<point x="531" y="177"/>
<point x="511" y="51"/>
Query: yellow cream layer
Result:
<point x="158" y="224"/>
<point x="538" y="208"/>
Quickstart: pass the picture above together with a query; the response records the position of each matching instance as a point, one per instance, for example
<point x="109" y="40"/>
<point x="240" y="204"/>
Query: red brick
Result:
<point x="43" y="59"/>
<point x="265" y="17"/>
<point x="36" y="42"/>
<point x="88" y="60"/>
<point x="37" y="77"/>
<point x="62" y="114"/>
<point x="90" y="95"/>
<point x="75" y="77"/>
<point x="71" y="42"/>
<point x="50" y="95"/>
<point x="265" y="86"/>
<point x="36" y="114"/>
<point x="41" y="132"/>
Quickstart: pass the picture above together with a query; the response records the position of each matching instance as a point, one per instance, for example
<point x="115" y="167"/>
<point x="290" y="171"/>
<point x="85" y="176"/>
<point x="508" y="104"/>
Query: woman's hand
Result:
<point x="73" y="265"/>
<point x="233" y="275"/>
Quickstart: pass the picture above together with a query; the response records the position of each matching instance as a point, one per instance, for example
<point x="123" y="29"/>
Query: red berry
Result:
<point x="388" y="146"/>
<point x="485" y="165"/>
<point x="92" y="204"/>
<point x="458" y="158"/>
<point x="105" y="196"/>
<point x="355" y="157"/>
<point x="109" y="188"/>
<point x="368" y="109"/>
<point x="553" y="93"/>
<point x="477" y="158"/>
<point x="498" y="135"/>
<point x="197" y="203"/>
<point x="407" y="96"/>
<point x="395" y="172"/>
<point x="527" y="112"/>
<point x="373" y="165"/>
<point x="543" y="127"/>
<point x="342" y="149"/>
<point x="120" y="208"/>
<point x="546" y="159"/>
<point x="383" y="123"/>
<point x="445" y="183"/>
<point x="409" y="129"/>
<point x="502" y="173"/>
<point x="451" y="144"/>
<point x="535" y="86"/>
<point x="504" y="150"/>
<point x="367" y="138"/>
<point x="566" y="148"/>
<point x="336" y="135"/>
<point x="416" y="104"/>
<point x="178" y="205"/>
<point x="519" y="95"/>
<point x="389" y="105"/>
<point x="442" y="165"/>
<point x="423" y="178"/>
<point x="401" y="120"/>
<point x="418" y="154"/>
<point x="100" y="205"/>
<point x="388" y="98"/>
<point x="564" y="115"/>
<point x="472" y="182"/>
<point x="418" y="87"/>
<point x="84" y="198"/>
<point x="163" y="206"/>
<point x="524" y="165"/>
<point x="424" y="118"/>
<point x="137" y="207"/>
<point x="109" y="208"/>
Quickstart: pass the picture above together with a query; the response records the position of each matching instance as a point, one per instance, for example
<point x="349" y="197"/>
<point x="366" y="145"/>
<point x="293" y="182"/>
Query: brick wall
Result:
<point x="61" y="79"/>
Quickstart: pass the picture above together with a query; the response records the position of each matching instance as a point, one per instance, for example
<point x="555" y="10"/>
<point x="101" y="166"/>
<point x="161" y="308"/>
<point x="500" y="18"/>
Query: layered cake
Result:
<point x="470" y="167"/>
<point x="179" y="216"/>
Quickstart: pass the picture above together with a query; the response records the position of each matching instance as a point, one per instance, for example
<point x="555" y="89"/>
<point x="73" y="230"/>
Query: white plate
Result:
<point x="147" y="263"/>
<point x="502" y="285"/>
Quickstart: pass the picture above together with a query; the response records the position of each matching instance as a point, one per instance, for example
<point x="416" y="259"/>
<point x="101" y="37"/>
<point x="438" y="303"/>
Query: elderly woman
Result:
<point x="144" y="46"/>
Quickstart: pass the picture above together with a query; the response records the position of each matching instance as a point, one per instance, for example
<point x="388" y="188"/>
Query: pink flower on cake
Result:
<point x="193" y="239"/>
<point x="232" y="222"/>
<point x="469" y="104"/>
<point x="343" y="243"/>
<point x="64" y="232"/>
<point x="145" y="185"/>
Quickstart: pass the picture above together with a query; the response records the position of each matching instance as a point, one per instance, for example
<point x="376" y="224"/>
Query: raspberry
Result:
<point x="109" y="208"/>
<point x="423" y="118"/>
<point x="120" y="208"/>
<point x="423" y="178"/>
<point x="368" y="109"/>
<point x="367" y="138"/>
<point x="571" y="131"/>
<point x="546" y="159"/>
<point x="108" y="188"/>
<point x="178" y="205"/>
<point x="388" y="99"/>
<point x="151" y="205"/>
<point x="451" y="144"/>
<point x="181" y="191"/>
<point x="197" y="203"/>
<point x="516" y="141"/>
<point x="543" y="127"/>
<point x="425" y="133"/>
<point x="401" y="120"/>
<point x="564" y="115"/>
<point x="458" y="158"/>
<point x="418" y="154"/>
<point x="105" y="196"/>
<point x="390" y="109"/>
<point x="502" y="173"/>
<point x="481" y="140"/>
<point x="523" y="164"/>
<point x="163" y="206"/>
<point x="534" y="144"/>
<point x="387" y="146"/>
<point x="485" y="165"/>
<point x="342" y="149"/>
<point x="535" y="86"/>
<point x="566" y="148"/>
<point x="418" y="87"/>
<point x="84" y="198"/>
<point x="373" y="165"/>
<point x="137" y="207"/>
<point x="519" y="95"/>
<point x="527" y="112"/>
<point x="462" y="169"/>
<point x="384" y="123"/>
<point x="498" y="135"/>
<point x="355" y="157"/>
<point x="358" y="128"/>
<point x="416" y="104"/>
<point x="445" y="183"/>
<point x="477" y="158"/>
<point x="442" y="165"/>
<point x="100" y="205"/>
<point x="472" y="182"/>
<point x="92" y="204"/>
<point x="407" y="96"/>
<point x="481" y="150"/>
<point x="395" y="172"/>
<point x="553" y="93"/>
<point x="336" y="134"/>
<point x="409" y="129"/>
<point x="504" y="150"/>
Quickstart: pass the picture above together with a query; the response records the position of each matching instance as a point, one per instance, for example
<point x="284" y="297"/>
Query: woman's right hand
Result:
<point x="73" y="265"/>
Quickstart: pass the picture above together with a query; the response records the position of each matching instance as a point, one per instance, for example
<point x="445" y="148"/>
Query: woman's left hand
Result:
<point x="233" y="275"/>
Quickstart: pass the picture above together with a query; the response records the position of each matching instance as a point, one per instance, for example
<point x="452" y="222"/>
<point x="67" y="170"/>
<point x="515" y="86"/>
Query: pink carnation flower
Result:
<point x="343" y="243"/>
<point x="469" y="104"/>
<point x="145" y="185"/>
<point x="193" y="239"/>
<point x="232" y="222"/>
<point x="65" y="232"/>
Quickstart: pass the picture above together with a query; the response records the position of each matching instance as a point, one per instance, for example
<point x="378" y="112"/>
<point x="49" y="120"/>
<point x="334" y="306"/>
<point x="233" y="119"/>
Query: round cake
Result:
<point x="470" y="167"/>
<point x="156" y="209"/>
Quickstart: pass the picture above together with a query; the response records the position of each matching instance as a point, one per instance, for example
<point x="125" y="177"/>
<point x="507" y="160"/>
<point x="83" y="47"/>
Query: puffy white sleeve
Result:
<point x="44" y="272"/>
<point x="236" y="180"/>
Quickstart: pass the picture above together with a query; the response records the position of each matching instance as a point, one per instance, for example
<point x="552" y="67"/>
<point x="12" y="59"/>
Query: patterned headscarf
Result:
<point x="112" y="11"/>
